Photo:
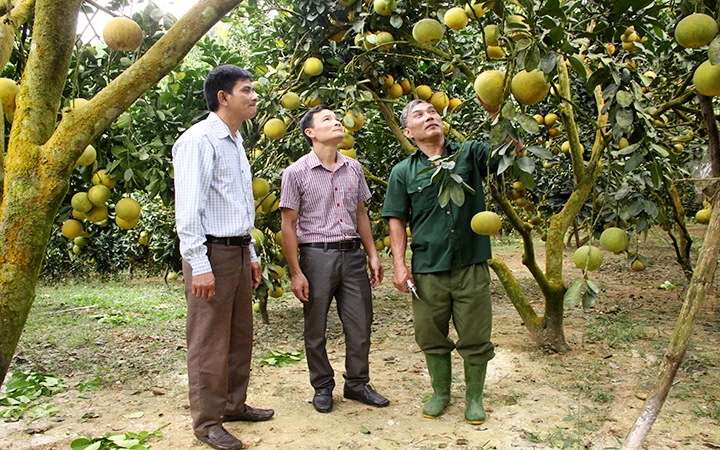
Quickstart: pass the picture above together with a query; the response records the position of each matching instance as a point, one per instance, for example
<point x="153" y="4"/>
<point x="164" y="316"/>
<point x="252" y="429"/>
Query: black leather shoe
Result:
<point x="249" y="415"/>
<point x="366" y="395"/>
<point x="322" y="400"/>
<point x="220" y="439"/>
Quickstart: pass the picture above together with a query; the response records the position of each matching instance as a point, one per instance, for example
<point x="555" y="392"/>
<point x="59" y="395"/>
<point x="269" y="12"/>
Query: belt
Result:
<point x="353" y="244"/>
<point x="233" y="240"/>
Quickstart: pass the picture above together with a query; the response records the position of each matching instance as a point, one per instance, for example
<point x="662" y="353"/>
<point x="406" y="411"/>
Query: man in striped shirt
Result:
<point x="215" y="212"/>
<point x="323" y="213"/>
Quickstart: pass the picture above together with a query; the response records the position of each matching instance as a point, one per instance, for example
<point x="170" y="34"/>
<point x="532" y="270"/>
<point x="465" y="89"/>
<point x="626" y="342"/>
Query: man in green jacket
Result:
<point x="449" y="261"/>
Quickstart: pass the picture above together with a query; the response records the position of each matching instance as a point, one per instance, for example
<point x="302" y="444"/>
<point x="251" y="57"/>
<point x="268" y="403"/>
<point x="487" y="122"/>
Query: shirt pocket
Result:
<point x="423" y="195"/>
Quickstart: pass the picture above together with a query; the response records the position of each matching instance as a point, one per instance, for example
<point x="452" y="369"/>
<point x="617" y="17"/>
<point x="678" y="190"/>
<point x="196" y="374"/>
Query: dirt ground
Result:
<point x="587" y="398"/>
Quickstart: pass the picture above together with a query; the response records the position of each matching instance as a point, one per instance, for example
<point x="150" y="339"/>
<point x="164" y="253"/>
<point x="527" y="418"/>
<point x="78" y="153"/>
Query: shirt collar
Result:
<point x="220" y="129"/>
<point x="449" y="149"/>
<point x="313" y="161"/>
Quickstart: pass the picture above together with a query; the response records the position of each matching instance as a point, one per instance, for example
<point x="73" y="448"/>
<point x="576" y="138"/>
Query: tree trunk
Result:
<point x="701" y="282"/>
<point x="40" y="158"/>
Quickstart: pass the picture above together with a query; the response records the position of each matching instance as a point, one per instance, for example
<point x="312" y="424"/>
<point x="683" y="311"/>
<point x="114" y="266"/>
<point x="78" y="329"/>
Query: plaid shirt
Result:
<point x="213" y="189"/>
<point x="326" y="200"/>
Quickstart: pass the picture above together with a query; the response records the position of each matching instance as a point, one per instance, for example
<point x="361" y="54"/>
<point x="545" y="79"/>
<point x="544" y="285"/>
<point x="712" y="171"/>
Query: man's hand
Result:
<point x="256" y="274"/>
<point x="376" y="271"/>
<point x="300" y="287"/>
<point x="203" y="286"/>
<point x="402" y="274"/>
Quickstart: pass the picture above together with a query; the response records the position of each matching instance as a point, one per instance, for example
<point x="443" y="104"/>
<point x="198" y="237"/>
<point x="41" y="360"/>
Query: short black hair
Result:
<point x="222" y="78"/>
<point x="307" y="120"/>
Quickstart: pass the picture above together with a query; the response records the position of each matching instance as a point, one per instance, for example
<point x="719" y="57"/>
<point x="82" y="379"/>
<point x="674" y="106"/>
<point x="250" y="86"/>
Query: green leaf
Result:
<point x="444" y="196"/>
<point x="135" y="415"/>
<point x="549" y="61"/>
<point x="624" y="118"/>
<point x="540" y="152"/>
<point x="80" y="444"/>
<point x="526" y="164"/>
<point x="624" y="98"/>
<point x="396" y="21"/>
<point x="578" y="66"/>
<point x="589" y="299"/>
<point x="457" y="194"/>
<point x="572" y="295"/>
<point x="364" y="430"/>
<point x="635" y="160"/>
<point x="528" y="123"/>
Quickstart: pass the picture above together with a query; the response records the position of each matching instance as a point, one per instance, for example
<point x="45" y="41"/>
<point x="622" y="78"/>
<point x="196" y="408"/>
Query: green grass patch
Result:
<point x="616" y="330"/>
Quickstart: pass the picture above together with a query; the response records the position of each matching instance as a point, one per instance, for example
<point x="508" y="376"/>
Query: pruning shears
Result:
<point x="411" y="288"/>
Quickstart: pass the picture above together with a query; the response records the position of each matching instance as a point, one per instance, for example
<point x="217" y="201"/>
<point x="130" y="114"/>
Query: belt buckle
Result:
<point x="346" y="245"/>
<point x="227" y="241"/>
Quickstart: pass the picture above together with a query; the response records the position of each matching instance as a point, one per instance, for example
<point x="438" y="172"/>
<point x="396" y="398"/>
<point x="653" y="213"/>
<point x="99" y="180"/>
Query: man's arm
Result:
<point x="192" y="163"/>
<point x="288" y="227"/>
<point x="365" y="232"/>
<point x="398" y="245"/>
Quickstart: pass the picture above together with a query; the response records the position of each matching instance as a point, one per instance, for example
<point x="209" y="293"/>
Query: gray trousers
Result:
<point x="219" y="338"/>
<point x="341" y="274"/>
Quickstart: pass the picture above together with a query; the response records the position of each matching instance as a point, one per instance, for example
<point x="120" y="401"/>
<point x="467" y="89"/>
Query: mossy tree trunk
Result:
<point x="700" y="284"/>
<point x="547" y="330"/>
<point x="41" y="156"/>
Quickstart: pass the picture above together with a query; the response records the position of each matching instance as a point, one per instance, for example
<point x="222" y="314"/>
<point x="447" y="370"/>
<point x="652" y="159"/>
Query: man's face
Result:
<point x="423" y="122"/>
<point x="326" y="128"/>
<point x="242" y="101"/>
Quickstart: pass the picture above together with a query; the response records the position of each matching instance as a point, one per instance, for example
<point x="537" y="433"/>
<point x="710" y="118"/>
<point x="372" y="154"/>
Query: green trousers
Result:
<point x="463" y="294"/>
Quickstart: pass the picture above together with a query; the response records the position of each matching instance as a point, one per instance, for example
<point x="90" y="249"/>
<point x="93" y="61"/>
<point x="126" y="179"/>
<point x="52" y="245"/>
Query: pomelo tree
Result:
<point x="45" y="143"/>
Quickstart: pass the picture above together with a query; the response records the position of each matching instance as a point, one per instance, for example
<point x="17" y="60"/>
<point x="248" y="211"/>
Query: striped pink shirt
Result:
<point x="326" y="201"/>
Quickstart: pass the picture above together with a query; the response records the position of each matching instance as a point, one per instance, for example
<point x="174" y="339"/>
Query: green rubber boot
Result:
<point x="474" y="385"/>
<point x="440" y="368"/>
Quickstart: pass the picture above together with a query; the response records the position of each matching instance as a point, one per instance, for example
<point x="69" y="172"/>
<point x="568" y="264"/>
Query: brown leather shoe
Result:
<point x="220" y="439"/>
<point x="249" y="415"/>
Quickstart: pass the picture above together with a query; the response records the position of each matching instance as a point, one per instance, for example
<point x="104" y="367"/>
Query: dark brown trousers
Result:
<point x="220" y="338"/>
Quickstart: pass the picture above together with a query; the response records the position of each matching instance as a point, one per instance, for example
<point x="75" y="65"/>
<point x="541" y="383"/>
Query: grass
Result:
<point x="616" y="330"/>
<point x="84" y="329"/>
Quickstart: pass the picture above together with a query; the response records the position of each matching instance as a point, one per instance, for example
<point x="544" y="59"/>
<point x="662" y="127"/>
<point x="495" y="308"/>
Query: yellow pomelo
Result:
<point x="276" y="292"/>
<point x="127" y="209"/>
<point x="519" y="186"/>
<point x="122" y="34"/>
<point x="383" y="40"/>
<point x="352" y="121"/>
<point x="88" y="156"/>
<point x="80" y="241"/>
<point x="8" y="92"/>
<point x="629" y="46"/>
<point x="454" y="104"/>
<point x="79" y="215"/>
<point x="550" y="119"/>
<point x="274" y="129"/>
<point x="97" y="214"/>
<point x="386" y="241"/>
<point x="278" y="239"/>
<point x="270" y="203"/>
<point x="80" y="202"/>
<point x="637" y="266"/>
<point x="529" y="88"/>
<point x="126" y="224"/>
<point x="144" y="238"/>
<point x="71" y="229"/>
<point x="696" y="30"/>
<point x="703" y="216"/>
<point x="486" y="223"/>
<point x="313" y="66"/>
<point x="350" y="153"/>
<point x="258" y="236"/>
<point x="290" y="101"/>
<point x="101" y="177"/>
<point x="440" y="101"/>
<point x="387" y="80"/>
<point x="260" y="187"/>
<point x="491" y="33"/>
<point x="347" y="142"/>
<point x="477" y="8"/>
<point x="565" y="147"/>
<point x="99" y="194"/>
<point x="77" y="249"/>
<point x="707" y="79"/>
<point x="539" y="119"/>
<point x="456" y="18"/>
<point x="77" y="103"/>
<point x="614" y="239"/>
<point x="384" y="7"/>
<point x="623" y="143"/>
<point x="428" y="31"/>
<point x="406" y="87"/>
<point x="312" y="102"/>
<point x="423" y="92"/>
<point x="394" y="91"/>
<point x="495" y="52"/>
<point x="279" y="273"/>
<point x="489" y="86"/>
<point x="588" y="258"/>
<point x="379" y="245"/>
<point x="516" y="26"/>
